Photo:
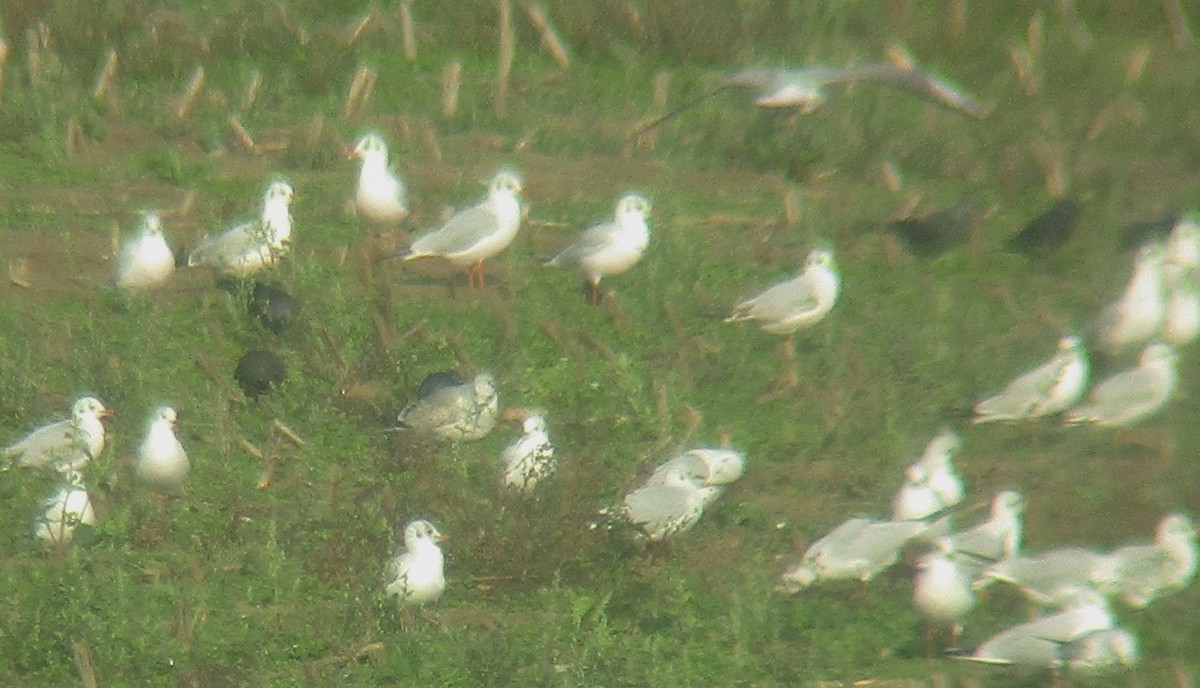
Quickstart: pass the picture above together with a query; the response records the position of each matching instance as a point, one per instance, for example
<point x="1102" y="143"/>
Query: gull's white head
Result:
<point x="89" y="407"/>
<point x="819" y="258"/>
<point x="916" y="475"/>
<point x="370" y="146"/>
<point x="533" y="425"/>
<point x="165" y="414"/>
<point x="1175" y="527"/>
<point x="1007" y="503"/>
<point x="1069" y="343"/>
<point x="484" y="386"/>
<point x="1156" y="353"/>
<point x="634" y="206"/>
<point x="505" y="183"/>
<point x="151" y="224"/>
<point x="280" y="191"/>
<point x="421" y="535"/>
<point x="1183" y="245"/>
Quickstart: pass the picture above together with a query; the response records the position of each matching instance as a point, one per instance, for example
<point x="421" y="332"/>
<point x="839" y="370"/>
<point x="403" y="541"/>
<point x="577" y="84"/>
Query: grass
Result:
<point x="235" y="585"/>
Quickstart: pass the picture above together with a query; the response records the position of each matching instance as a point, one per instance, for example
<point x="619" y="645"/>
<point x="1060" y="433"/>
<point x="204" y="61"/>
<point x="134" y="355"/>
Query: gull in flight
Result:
<point x="451" y="408"/>
<point x="162" y="462"/>
<point x="858" y="549"/>
<point x="1138" y="314"/>
<point x="799" y="302"/>
<point x="1131" y="395"/>
<point x="1139" y="574"/>
<point x="530" y="459"/>
<point x="249" y="247"/>
<point x="415" y="576"/>
<point x="145" y="260"/>
<point x="931" y="485"/>
<point x="610" y="248"/>
<point x="62" y="512"/>
<point x="380" y="196"/>
<point x="807" y="88"/>
<point x="1050" y="388"/>
<point x="480" y="232"/>
<point x="65" y="445"/>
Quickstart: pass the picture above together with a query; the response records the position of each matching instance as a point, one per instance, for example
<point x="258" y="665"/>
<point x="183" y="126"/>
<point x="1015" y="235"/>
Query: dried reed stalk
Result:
<point x="507" y="48"/>
<point x="355" y="29"/>
<point x="354" y="96"/>
<point x="4" y="50"/>
<point x="287" y="432"/>
<point x="316" y="132"/>
<point x="240" y="135"/>
<point x="408" y="31"/>
<point x="1180" y="29"/>
<point x="104" y="82"/>
<point x="18" y="272"/>
<point x="183" y="107"/>
<point x="85" y="661"/>
<point x="550" y="39"/>
<point x="429" y="140"/>
<point x="74" y="142"/>
<point x="451" y="83"/>
<point x="253" y="89"/>
<point x="34" y="59"/>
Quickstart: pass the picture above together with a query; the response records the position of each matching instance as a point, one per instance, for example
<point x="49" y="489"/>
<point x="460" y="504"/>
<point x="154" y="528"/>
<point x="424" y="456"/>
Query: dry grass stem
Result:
<point x="408" y="31"/>
<point x="240" y="135"/>
<point x="507" y="49"/>
<point x="4" y="51"/>
<point x="187" y="101"/>
<point x="354" y="95"/>
<point x="288" y="434"/>
<point x="451" y="83"/>
<point x="1181" y="30"/>
<point x="19" y="272"/>
<point x="74" y="140"/>
<point x="355" y="29"/>
<point x="550" y="39"/>
<point x="104" y="82"/>
<point x="85" y="662"/>
<point x="253" y="90"/>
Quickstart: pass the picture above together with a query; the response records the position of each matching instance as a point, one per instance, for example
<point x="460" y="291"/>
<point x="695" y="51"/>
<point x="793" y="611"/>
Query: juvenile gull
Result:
<point x="1050" y="388"/>
<point x="65" y="445"/>
<point x="931" y="485"/>
<point x="530" y="459"/>
<point x="380" y="196"/>
<point x="610" y="248"/>
<point x="451" y="408"/>
<point x="1130" y="396"/>
<point x="145" y="260"/>
<point x="415" y="575"/>
<point x="473" y="235"/>
<point x="162" y="462"/>
<point x="858" y="549"/>
<point x="247" y="248"/>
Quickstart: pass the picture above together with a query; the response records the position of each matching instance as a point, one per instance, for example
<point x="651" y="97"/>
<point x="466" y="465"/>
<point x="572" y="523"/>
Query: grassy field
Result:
<point x="237" y="583"/>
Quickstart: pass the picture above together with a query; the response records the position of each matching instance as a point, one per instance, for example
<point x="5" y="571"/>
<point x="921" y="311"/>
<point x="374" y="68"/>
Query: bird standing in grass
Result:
<point x="415" y="575"/>
<point x="380" y="196"/>
<point x="65" y="445"/>
<point x="480" y="232"/>
<point x="1050" y="388"/>
<point x="530" y="459"/>
<point x="799" y="302"/>
<point x="162" y="462"/>
<point x="451" y="408"/>
<point x="145" y="260"/>
<point x="609" y="248"/>
<point x="250" y="247"/>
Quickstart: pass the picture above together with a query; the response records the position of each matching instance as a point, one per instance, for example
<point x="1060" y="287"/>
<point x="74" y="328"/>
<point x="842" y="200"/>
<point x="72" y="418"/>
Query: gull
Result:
<point x="858" y="549"/>
<point x="711" y="467"/>
<point x="1045" y="578"/>
<point x="668" y="504"/>
<point x="249" y="247"/>
<point x="931" y="485"/>
<point x="1050" y="388"/>
<point x="449" y="407"/>
<point x="1139" y="574"/>
<point x="65" y="445"/>
<point x="610" y="248"/>
<point x="1131" y="395"/>
<point x="380" y="195"/>
<point x="942" y="593"/>
<point x="995" y="539"/>
<point x="415" y="574"/>
<point x="145" y="260"/>
<point x="473" y="235"/>
<point x="799" y="302"/>
<point x="1138" y="314"/>
<point x="531" y="458"/>
<point x="1099" y="651"/>
<point x="807" y="88"/>
<point x="1181" y="274"/>
<point x="1039" y="643"/>
<point x="62" y="512"/>
<point x="162" y="462"/>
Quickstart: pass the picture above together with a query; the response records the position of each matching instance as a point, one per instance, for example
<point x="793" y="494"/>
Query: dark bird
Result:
<point x="258" y="372"/>
<point x="273" y="307"/>
<point x="934" y="233"/>
<point x="807" y="88"/>
<point x="1047" y="232"/>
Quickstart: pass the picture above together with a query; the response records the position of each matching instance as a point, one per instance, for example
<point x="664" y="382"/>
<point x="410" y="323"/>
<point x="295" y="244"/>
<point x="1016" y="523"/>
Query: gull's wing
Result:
<point x="781" y="301"/>
<point x="1041" y="577"/>
<point x="49" y="444"/>
<point x="660" y="510"/>
<point x="444" y="406"/>
<point x="593" y="240"/>
<point x="1124" y="396"/>
<point x="1023" y="394"/>
<point x="229" y="245"/>
<point x="461" y="232"/>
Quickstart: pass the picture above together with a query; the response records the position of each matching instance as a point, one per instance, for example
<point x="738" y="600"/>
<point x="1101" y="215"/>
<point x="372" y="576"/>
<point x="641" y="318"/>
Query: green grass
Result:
<point x="232" y="585"/>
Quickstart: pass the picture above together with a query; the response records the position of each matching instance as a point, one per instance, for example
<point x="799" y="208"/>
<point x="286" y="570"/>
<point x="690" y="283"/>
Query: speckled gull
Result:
<point x="1130" y="396"/>
<point x="473" y="235"/>
<point x="799" y="302"/>
<point x="453" y="409"/>
<point x="1039" y="643"/>
<point x="415" y="575"/>
<point x="249" y="247"/>
<point x="69" y="507"/>
<point x="1138" y="314"/>
<point x="1181" y="275"/>
<point x="610" y="248"/>
<point x="667" y="505"/>
<point x="997" y="538"/>
<point x="162" y="462"/>
<point x="1050" y="388"/>
<point x="1139" y="574"/>
<point x="1045" y="577"/>
<point x="931" y="485"/>
<point x="380" y="196"/>
<point x="145" y="260"/>
<point x="858" y="549"/>
<point x="65" y="445"/>
<point x="530" y="459"/>
<point x="942" y="592"/>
